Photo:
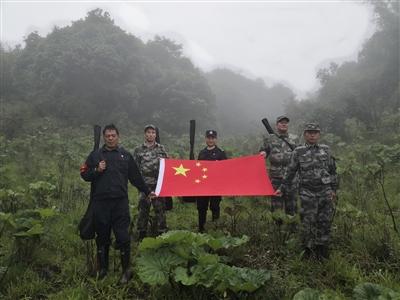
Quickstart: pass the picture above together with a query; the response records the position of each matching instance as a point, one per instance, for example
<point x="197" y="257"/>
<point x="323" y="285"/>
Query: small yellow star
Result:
<point x="197" y="181"/>
<point x="180" y="170"/>
<point x="198" y="164"/>
<point x="204" y="169"/>
<point x="204" y="176"/>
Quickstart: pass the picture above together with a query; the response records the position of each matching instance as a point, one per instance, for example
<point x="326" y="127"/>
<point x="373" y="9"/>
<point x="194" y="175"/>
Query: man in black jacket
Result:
<point x="109" y="169"/>
<point x="211" y="152"/>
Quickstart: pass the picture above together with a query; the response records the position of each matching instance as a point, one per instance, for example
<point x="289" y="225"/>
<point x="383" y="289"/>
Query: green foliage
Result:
<point x="190" y="259"/>
<point x="72" y="74"/>
<point x="370" y="291"/>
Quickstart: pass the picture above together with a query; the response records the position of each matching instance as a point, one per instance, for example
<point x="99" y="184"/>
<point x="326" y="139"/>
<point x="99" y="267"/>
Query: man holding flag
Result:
<point x="210" y="152"/>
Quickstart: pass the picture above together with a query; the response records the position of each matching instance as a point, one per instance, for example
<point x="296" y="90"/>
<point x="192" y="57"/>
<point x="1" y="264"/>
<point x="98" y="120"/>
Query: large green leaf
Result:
<point x="371" y="291"/>
<point x="37" y="229"/>
<point x="307" y="294"/>
<point x="155" y="267"/>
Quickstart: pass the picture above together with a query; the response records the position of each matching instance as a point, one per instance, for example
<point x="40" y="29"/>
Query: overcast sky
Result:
<point x="276" y="40"/>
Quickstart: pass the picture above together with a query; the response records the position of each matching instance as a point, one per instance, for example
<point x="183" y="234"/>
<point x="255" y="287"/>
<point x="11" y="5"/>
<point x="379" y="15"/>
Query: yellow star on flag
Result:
<point x="180" y="170"/>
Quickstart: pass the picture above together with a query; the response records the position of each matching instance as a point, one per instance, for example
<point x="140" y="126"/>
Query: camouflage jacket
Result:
<point x="148" y="161"/>
<point x="315" y="166"/>
<point x="278" y="153"/>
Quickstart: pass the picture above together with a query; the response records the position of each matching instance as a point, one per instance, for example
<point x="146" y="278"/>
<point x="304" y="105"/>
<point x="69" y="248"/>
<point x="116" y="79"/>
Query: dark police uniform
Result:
<point x="212" y="201"/>
<point x="110" y="197"/>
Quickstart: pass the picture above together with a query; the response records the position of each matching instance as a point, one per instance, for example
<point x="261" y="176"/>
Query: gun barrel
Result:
<point x="267" y="126"/>
<point x="96" y="136"/>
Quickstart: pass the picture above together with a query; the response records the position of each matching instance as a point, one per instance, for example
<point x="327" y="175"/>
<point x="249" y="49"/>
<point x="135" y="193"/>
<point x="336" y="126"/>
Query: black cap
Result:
<point x="280" y="118"/>
<point x="211" y="133"/>
<point x="148" y="126"/>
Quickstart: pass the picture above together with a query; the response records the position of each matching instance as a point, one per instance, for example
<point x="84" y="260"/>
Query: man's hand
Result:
<point x="263" y="153"/>
<point x="152" y="195"/>
<point x="278" y="193"/>
<point x="333" y="196"/>
<point x="102" y="166"/>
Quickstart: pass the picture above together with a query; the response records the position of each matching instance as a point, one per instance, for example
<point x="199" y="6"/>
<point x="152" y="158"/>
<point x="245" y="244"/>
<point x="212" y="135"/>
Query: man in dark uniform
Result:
<point x="109" y="169"/>
<point x="211" y="152"/>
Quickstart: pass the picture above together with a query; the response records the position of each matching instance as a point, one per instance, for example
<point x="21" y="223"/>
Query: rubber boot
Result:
<point x="102" y="257"/>
<point x="215" y="215"/>
<point x="202" y="220"/>
<point x="308" y="253"/>
<point x="322" y="252"/>
<point x="142" y="235"/>
<point x="125" y="261"/>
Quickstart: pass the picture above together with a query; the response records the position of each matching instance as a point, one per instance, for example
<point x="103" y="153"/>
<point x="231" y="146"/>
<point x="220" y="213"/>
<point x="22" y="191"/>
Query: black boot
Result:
<point x="322" y="252"/>
<point x="102" y="258"/>
<point x="142" y="235"/>
<point x="125" y="259"/>
<point x="215" y="215"/>
<point x="308" y="253"/>
<point x="202" y="220"/>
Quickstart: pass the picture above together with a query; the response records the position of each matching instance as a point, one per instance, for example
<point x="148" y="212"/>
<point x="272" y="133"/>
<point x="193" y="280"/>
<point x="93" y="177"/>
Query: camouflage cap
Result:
<point x="280" y="118"/>
<point x="149" y="126"/>
<point x="312" y="127"/>
<point x="211" y="133"/>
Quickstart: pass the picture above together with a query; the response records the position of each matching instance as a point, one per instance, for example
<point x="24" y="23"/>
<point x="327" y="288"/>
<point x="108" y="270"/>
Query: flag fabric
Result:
<point x="243" y="176"/>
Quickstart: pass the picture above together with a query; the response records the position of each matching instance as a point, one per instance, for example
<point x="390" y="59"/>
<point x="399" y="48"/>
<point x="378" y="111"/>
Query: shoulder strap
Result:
<point x="286" y="141"/>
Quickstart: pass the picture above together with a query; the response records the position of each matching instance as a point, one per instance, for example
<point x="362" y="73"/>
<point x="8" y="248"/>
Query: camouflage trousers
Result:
<point x="144" y="211"/>
<point x="316" y="216"/>
<point x="287" y="202"/>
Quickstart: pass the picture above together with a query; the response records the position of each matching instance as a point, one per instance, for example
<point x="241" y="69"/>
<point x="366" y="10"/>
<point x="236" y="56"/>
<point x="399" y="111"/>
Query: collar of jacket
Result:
<point x="153" y="146"/>
<point x="104" y="149"/>
<point x="312" y="146"/>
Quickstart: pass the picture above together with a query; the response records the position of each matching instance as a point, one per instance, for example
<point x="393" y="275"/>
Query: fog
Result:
<point x="278" y="41"/>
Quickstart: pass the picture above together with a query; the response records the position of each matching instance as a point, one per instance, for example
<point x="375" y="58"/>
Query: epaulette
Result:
<point x="324" y="146"/>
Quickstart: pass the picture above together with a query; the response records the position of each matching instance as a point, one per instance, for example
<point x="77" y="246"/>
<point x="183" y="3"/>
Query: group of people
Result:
<point x="110" y="168"/>
<point x="308" y="171"/>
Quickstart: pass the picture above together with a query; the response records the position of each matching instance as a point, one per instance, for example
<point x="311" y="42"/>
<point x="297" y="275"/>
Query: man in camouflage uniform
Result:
<point x="318" y="183"/>
<point x="278" y="149"/>
<point x="147" y="157"/>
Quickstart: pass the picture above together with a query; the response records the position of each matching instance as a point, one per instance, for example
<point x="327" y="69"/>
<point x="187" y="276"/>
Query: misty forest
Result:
<point x="54" y="88"/>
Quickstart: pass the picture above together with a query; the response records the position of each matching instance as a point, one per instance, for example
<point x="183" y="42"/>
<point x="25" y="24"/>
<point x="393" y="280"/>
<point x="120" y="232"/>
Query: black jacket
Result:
<point x="113" y="181"/>
<point x="213" y="154"/>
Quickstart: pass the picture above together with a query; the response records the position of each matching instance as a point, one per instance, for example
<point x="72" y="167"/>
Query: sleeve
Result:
<point x="135" y="178"/>
<point x="201" y="155"/>
<point x="333" y="173"/>
<point x="266" y="146"/>
<point x="291" y="171"/>
<point x="163" y="152"/>
<point x="136" y="156"/>
<point x="88" y="169"/>
<point x="223" y="155"/>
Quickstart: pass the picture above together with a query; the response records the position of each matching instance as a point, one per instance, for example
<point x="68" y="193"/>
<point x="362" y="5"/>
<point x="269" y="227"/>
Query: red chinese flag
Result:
<point x="243" y="176"/>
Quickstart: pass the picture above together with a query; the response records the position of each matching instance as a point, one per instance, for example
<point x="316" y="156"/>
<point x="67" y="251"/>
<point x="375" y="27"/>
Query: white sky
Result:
<point x="276" y="40"/>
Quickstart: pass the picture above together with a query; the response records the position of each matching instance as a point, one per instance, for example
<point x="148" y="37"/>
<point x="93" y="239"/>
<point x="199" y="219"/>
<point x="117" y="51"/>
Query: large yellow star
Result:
<point x="180" y="170"/>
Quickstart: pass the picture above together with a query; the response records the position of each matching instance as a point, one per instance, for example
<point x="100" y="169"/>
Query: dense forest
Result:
<point x="54" y="88"/>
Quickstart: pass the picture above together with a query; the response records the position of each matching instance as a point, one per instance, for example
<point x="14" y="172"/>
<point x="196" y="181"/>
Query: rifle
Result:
<point x="192" y="131"/>
<point x="272" y="132"/>
<point x="96" y="137"/>
<point x="168" y="200"/>
<point x="86" y="225"/>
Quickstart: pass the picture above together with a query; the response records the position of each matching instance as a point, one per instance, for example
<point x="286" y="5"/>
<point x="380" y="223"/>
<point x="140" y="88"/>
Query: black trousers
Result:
<point x="213" y="202"/>
<point x="112" y="214"/>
